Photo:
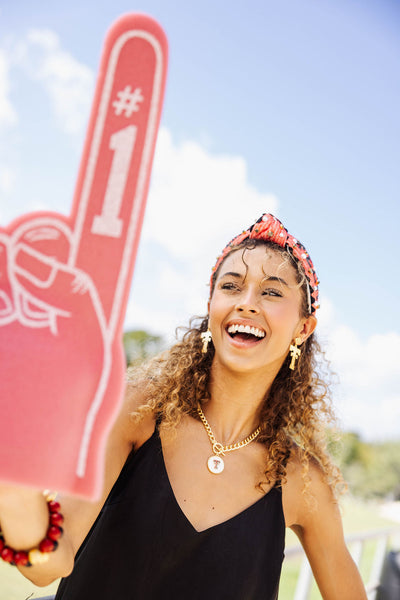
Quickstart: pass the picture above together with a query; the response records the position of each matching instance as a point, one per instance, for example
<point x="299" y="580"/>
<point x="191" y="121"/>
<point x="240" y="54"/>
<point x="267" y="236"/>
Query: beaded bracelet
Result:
<point x="38" y="555"/>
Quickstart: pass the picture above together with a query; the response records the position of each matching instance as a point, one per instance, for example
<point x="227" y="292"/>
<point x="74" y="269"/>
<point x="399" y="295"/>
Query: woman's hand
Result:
<point x="24" y="521"/>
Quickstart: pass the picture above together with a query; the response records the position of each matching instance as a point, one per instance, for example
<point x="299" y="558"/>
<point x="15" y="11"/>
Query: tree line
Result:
<point x="371" y="469"/>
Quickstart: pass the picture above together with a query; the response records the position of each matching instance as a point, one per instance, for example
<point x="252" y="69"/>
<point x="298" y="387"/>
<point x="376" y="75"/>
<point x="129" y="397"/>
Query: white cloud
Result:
<point x="8" y="115"/>
<point x="69" y="83"/>
<point x="199" y="200"/>
<point x="162" y="321"/>
<point x="8" y="118"/>
<point x="373" y="362"/>
<point x="165" y="292"/>
<point x="374" y="415"/>
<point x="368" y="397"/>
<point x="39" y="59"/>
<point x="7" y="179"/>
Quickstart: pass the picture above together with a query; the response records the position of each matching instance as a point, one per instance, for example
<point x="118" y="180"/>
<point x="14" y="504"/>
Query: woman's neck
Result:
<point x="233" y="411"/>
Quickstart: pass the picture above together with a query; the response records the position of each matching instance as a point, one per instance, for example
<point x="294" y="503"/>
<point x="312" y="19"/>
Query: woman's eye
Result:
<point x="272" y="292"/>
<point x="229" y="286"/>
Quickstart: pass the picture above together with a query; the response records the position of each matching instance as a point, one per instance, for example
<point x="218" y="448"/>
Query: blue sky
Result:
<point x="287" y="106"/>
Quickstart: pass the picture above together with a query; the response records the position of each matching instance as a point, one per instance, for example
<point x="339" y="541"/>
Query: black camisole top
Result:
<point x="142" y="546"/>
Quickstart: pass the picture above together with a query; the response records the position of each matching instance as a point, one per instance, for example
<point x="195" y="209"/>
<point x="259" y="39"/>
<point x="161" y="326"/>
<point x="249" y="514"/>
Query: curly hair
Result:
<point x="295" y="411"/>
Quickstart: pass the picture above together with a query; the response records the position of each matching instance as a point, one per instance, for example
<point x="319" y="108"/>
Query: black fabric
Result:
<point x="389" y="586"/>
<point x="142" y="547"/>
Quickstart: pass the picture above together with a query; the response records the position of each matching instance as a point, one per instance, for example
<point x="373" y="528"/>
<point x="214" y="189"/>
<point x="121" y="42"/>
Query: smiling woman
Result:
<point x="219" y="445"/>
<point x="256" y="288"/>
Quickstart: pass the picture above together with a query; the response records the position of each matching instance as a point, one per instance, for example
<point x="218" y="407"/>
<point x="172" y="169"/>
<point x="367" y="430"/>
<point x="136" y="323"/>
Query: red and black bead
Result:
<point x="27" y="558"/>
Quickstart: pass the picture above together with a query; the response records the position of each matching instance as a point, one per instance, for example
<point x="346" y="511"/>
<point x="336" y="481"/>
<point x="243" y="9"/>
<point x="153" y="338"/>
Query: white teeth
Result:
<point x="246" y="329"/>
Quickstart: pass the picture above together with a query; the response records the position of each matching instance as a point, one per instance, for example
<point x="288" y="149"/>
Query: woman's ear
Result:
<point x="308" y="326"/>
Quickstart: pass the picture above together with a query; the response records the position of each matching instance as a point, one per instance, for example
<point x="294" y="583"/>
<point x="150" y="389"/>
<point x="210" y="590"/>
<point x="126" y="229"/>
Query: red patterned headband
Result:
<point x="270" y="229"/>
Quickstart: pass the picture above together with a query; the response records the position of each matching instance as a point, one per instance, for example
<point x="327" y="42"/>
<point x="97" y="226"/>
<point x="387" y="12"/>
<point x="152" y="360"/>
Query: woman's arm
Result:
<point x="24" y="515"/>
<point x="317" y="522"/>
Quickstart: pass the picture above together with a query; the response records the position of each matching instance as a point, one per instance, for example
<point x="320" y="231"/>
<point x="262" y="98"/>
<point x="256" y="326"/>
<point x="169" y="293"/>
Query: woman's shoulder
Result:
<point x="293" y="482"/>
<point x="135" y="422"/>
<point x="305" y="488"/>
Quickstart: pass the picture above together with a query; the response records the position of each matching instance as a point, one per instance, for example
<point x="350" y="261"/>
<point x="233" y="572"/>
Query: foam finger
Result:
<point x="6" y="294"/>
<point x="114" y="175"/>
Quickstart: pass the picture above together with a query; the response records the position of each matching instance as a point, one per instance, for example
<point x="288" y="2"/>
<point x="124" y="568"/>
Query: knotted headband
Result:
<point x="270" y="229"/>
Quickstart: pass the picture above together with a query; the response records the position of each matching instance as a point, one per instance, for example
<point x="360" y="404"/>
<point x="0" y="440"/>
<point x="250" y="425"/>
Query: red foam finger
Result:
<point x="29" y="264"/>
<point x="115" y="170"/>
<point x="6" y="294"/>
<point x="65" y="281"/>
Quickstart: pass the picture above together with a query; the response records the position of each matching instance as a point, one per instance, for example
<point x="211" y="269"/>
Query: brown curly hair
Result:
<point x="294" y="413"/>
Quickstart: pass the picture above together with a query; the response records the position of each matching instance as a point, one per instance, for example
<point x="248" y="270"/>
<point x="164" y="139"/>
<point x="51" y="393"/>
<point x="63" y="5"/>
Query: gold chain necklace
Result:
<point x="215" y="463"/>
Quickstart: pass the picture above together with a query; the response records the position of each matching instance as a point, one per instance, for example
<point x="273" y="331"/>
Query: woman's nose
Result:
<point x="248" y="303"/>
<point x="246" y="308"/>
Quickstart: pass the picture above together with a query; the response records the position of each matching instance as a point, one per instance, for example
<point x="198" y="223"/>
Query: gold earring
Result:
<point x="294" y="353"/>
<point x="206" y="338"/>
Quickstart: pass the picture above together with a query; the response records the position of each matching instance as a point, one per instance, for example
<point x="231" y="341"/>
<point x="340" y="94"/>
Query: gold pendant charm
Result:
<point x="215" y="464"/>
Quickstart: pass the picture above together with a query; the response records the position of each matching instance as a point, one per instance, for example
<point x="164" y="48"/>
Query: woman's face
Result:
<point x="255" y="311"/>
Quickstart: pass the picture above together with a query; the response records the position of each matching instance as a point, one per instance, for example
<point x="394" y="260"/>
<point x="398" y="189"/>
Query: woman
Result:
<point x="218" y="447"/>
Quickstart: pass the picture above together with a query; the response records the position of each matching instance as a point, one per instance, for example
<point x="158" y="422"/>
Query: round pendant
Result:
<point x="215" y="464"/>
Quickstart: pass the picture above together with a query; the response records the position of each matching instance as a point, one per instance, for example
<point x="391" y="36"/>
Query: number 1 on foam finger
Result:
<point x="109" y="222"/>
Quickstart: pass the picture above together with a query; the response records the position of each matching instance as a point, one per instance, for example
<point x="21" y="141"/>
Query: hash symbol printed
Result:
<point x="128" y="101"/>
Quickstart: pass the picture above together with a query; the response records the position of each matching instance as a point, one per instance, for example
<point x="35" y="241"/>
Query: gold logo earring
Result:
<point x="206" y="338"/>
<point x="294" y="353"/>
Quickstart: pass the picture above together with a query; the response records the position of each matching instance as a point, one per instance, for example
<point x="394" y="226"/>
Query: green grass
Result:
<point x="13" y="586"/>
<point x="357" y="517"/>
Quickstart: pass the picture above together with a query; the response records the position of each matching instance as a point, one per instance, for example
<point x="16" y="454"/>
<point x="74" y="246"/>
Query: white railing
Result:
<point x="356" y="543"/>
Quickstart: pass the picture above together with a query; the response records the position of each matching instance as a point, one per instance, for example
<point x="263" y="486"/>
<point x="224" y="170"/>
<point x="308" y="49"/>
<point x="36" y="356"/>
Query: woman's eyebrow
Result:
<point x="232" y="274"/>
<point x="274" y="278"/>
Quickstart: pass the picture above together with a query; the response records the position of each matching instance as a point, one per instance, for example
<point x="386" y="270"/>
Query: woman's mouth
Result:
<point x="245" y="333"/>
